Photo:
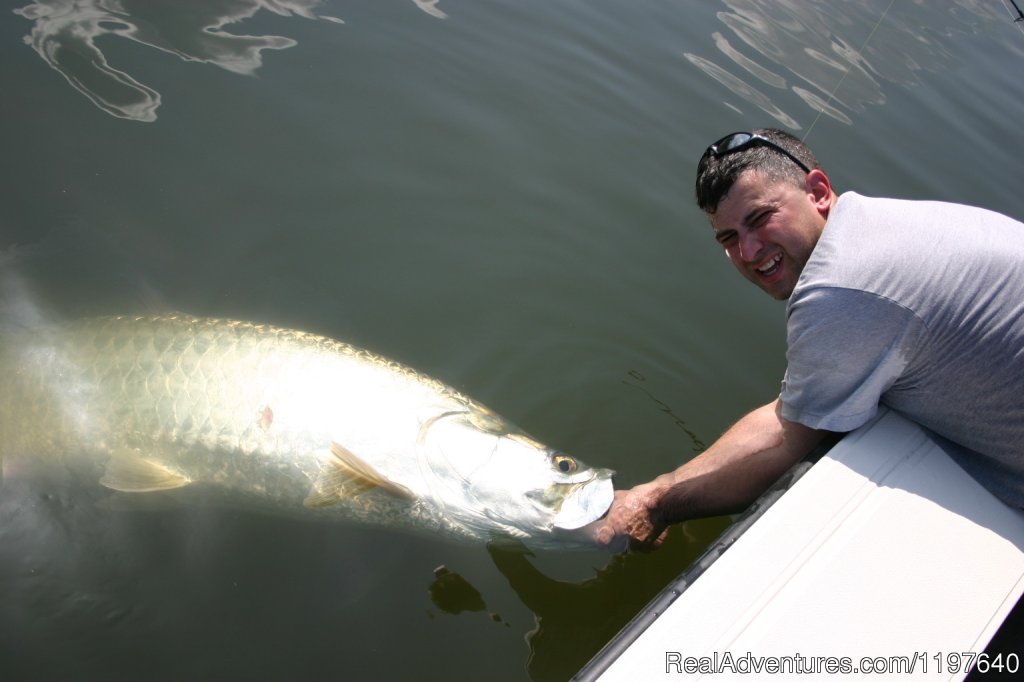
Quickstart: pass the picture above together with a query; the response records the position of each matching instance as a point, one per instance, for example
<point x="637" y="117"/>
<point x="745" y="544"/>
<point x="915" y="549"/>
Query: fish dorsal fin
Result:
<point x="347" y="475"/>
<point x="127" y="472"/>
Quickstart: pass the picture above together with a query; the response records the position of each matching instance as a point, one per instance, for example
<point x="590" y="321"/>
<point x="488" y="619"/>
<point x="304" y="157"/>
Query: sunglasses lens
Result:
<point x="732" y="142"/>
<point x="738" y="142"/>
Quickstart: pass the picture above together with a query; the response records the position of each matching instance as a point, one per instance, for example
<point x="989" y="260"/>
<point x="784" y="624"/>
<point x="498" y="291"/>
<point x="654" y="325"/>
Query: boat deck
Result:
<point x="885" y="555"/>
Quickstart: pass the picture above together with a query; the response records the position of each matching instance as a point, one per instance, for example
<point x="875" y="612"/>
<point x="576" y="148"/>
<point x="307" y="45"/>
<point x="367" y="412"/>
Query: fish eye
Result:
<point x="564" y="463"/>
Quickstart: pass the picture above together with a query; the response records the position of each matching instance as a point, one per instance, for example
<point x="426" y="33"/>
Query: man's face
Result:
<point x="768" y="230"/>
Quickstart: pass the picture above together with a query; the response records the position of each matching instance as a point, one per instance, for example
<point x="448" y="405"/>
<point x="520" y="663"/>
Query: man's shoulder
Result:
<point x="889" y="246"/>
<point x="856" y="246"/>
<point x="866" y="211"/>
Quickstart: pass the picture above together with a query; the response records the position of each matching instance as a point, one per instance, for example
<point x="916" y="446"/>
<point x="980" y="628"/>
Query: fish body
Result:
<point x="287" y="421"/>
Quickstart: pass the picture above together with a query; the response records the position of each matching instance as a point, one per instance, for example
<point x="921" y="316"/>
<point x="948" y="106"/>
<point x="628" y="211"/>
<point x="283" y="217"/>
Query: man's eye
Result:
<point x="725" y="238"/>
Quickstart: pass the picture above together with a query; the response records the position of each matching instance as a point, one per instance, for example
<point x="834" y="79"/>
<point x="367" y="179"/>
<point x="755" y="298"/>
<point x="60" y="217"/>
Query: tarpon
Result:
<point x="285" y="420"/>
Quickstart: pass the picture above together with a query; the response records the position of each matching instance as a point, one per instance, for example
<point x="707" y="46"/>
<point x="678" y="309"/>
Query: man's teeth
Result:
<point x="770" y="264"/>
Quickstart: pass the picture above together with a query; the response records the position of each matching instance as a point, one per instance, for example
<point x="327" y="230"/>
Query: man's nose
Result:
<point x="750" y="246"/>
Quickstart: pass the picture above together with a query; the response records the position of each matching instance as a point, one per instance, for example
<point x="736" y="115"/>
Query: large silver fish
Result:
<point x="291" y="421"/>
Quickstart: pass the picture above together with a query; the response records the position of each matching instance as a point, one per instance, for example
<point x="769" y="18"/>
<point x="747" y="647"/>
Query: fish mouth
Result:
<point x="586" y="502"/>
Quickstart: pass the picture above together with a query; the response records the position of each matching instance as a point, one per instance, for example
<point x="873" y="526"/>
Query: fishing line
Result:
<point x="1019" y="19"/>
<point x="848" y="68"/>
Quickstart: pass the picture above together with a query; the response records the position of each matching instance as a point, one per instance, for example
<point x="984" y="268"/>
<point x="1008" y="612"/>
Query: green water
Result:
<point x="496" y="193"/>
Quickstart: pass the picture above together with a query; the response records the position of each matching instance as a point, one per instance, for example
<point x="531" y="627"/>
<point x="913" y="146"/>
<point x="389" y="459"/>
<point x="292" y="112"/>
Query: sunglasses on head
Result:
<point x="737" y="142"/>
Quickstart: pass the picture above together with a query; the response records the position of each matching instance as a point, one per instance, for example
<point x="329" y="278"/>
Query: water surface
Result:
<point x="497" y="193"/>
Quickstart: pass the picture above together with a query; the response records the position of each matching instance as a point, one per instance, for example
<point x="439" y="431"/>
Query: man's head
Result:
<point x="767" y="199"/>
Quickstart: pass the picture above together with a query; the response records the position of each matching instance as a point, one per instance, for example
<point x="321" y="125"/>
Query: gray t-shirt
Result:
<point x="919" y="306"/>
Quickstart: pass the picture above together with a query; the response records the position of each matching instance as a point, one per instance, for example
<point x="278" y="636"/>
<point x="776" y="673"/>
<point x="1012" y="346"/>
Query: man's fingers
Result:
<point x="630" y="523"/>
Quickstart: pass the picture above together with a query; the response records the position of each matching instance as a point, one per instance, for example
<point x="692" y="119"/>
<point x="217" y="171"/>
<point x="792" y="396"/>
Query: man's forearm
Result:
<point x="737" y="468"/>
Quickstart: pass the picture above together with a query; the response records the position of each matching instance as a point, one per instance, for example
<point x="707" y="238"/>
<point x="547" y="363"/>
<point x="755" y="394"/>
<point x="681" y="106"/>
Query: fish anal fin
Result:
<point x="346" y="476"/>
<point x="128" y="472"/>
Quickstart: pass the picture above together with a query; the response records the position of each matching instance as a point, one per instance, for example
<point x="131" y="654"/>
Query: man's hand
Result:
<point x="633" y="518"/>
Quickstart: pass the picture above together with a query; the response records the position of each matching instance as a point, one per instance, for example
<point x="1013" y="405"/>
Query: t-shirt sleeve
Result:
<point x="846" y="348"/>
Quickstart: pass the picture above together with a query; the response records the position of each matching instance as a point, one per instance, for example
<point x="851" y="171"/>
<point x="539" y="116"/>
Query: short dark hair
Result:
<point x="717" y="174"/>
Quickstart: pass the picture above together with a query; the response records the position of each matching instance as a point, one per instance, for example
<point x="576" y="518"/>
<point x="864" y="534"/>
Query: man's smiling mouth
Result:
<point x="771" y="266"/>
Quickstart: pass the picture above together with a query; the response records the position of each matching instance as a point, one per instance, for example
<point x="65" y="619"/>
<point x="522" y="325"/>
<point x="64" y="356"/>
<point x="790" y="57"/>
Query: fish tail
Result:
<point x="18" y="303"/>
<point x="35" y="277"/>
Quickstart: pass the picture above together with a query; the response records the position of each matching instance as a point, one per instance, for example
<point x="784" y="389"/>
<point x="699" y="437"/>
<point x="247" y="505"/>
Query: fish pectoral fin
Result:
<point x="127" y="472"/>
<point x="347" y="475"/>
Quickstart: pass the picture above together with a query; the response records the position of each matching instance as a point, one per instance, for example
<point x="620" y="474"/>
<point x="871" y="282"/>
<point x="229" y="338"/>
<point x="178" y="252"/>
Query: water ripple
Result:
<point x="817" y="43"/>
<point x="763" y="74"/>
<point x="743" y="89"/>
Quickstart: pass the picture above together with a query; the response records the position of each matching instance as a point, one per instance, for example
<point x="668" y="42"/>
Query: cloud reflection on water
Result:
<point x="65" y="35"/>
<point x="842" y="51"/>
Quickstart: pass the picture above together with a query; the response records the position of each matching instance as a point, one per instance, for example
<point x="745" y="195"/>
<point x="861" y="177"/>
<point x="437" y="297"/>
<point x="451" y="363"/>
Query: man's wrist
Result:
<point x="671" y="504"/>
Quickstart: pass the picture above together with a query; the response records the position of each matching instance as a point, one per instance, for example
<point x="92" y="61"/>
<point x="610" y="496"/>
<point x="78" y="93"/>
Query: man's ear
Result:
<point x="819" y="189"/>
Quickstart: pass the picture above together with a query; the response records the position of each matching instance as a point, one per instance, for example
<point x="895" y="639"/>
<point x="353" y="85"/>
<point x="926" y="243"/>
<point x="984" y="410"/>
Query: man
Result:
<point x="915" y="305"/>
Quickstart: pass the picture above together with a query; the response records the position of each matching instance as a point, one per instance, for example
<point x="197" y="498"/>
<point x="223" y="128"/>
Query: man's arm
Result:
<point x="725" y="478"/>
